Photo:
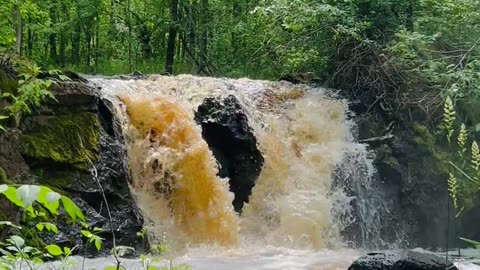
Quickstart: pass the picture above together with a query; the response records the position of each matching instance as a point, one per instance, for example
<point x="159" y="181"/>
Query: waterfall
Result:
<point x="302" y="132"/>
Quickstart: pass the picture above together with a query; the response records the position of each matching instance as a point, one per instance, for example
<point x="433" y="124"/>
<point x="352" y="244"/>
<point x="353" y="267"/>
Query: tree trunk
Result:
<point x="76" y="44"/>
<point x="88" y="43"/>
<point x="203" y="44"/>
<point x="52" y="37"/>
<point x="97" y="42"/>
<point x="410" y="14"/>
<point x="172" y="36"/>
<point x="29" y="39"/>
<point x="129" y="25"/>
<point x="236" y="11"/>
<point x="17" y="18"/>
<point x="63" y="36"/>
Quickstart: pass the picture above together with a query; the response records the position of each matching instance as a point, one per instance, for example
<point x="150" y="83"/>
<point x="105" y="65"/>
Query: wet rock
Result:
<point x="57" y="146"/>
<point x="225" y="128"/>
<point x="11" y="161"/>
<point x="71" y="76"/>
<point x="306" y="78"/>
<point x="74" y="94"/>
<point x="406" y="201"/>
<point x="401" y="260"/>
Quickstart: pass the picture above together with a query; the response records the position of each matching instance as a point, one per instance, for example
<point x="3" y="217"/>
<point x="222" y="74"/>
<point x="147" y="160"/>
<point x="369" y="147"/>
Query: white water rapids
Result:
<point x="294" y="217"/>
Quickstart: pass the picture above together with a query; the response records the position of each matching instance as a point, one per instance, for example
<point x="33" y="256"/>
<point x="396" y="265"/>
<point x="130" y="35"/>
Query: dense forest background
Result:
<point x="435" y="41"/>
<point x="389" y="53"/>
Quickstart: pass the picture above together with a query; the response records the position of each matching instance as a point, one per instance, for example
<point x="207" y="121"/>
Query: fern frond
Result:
<point x="448" y="117"/>
<point x="461" y="140"/>
<point x="452" y="189"/>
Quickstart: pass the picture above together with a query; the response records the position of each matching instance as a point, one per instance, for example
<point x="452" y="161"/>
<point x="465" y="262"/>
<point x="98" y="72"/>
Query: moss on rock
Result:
<point x="3" y="176"/>
<point x="426" y="140"/>
<point x="68" y="139"/>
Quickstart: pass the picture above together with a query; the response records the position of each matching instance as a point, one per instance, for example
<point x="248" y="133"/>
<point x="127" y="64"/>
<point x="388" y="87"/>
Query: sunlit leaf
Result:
<point x="49" y="199"/>
<point x="87" y="234"/>
<point x="72" y="210"/>
<point x="39" y="227"/>
<point x="54" y="250"/>
<point x="11" y="194"/>
<point x="98" y="243"/>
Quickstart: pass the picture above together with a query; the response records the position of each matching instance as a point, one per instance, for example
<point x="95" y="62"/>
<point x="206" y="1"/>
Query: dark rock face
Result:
<point x="401" y="260"/>
<point x="409" y="197"/>
<point x="56" y="147"/>
<point x="225" y="128"/>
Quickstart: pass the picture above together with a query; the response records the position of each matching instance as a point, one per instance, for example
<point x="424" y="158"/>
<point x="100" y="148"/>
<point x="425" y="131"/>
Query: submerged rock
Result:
<point x="401" y="260"/>
<point x="225" y="128"/>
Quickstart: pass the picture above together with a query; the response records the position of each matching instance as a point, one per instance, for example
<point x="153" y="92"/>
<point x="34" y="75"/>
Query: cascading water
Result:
<point x="302" y="133"/>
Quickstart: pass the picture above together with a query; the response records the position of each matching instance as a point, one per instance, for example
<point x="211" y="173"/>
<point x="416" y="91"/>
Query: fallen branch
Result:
<point x="378" y="140"/>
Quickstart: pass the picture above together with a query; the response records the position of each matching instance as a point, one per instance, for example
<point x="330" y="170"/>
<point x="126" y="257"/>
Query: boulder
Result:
<point x="401" y="260"/>
<point x="225" y="128"/>
<point x="63" y="145"/>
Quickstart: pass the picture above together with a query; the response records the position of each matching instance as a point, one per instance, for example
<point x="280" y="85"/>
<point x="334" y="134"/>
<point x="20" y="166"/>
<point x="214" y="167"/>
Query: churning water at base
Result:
<point x="248" y="258"/>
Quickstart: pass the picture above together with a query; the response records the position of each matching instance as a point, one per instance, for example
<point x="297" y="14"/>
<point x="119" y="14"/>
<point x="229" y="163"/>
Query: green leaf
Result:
<point x="87" y="234"/>
<point x="37" y="260"/>
<point x="52" y="227"/>
<point x="473" y="242"/>
<point x="98" y="244"/>
<point x="28" y="194"/>
<point x="97" y="241"/>
<point x="3" y="188"/>
<point x="49" y="199"/>
<point x="72" y="210"/>
<point x="2" y="117"/>
<point x="48" y="84"/>
<point x="67" y="251"/>
<point x="17" y="241"/>
<point x="39" y="227"/>
<point x="54" y="250"/>
<point x="11" y="194"/>
<point x="48" y="226"/>
<point x="110" y="268"/>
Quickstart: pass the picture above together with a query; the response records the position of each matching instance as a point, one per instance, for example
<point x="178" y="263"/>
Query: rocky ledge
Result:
<point x="72" y="145"/>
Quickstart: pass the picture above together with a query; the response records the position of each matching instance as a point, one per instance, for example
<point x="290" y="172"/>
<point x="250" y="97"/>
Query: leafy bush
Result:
<point x="35" y="203"/>
<point x="30" y="92"/>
